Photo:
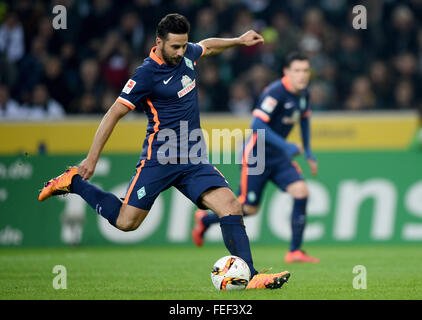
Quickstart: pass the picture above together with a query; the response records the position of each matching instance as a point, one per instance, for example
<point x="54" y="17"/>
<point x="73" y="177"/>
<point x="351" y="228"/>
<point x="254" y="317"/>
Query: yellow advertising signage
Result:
<point x="339" y="131"/>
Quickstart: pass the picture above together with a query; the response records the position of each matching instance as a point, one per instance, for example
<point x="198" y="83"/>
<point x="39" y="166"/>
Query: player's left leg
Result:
<point x="250" y="192"/>
<point x="223" y="202"/>
<point x="206" y="218"/>
<point x="288" y="177"/>
<point x="299" y="192"/>
<point x="208" y="188"/>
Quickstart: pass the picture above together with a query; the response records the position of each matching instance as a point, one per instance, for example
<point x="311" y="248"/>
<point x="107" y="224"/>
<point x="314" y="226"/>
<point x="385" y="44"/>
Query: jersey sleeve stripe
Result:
<point x="261" y="115"/>
<point x="138" y="172"/>
<point x="297" y="167"/>
<point x="156" y="128"/>
<point x="126" y="102"/>
<point x="244" y="172"/>
<point x="203" y="49"/>
<point x="215" y="168"/>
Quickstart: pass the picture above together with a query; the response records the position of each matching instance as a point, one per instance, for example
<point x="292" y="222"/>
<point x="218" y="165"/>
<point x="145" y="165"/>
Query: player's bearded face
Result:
<point x="173" y="48"/>
<point x="171" y="59"/>
<point x="299" y="73"/>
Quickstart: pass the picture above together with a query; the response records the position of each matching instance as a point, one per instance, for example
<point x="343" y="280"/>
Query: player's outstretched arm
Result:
<point x="276" y="140"/>
<point x="114" y="114"/>
<point x="216" y="45"/>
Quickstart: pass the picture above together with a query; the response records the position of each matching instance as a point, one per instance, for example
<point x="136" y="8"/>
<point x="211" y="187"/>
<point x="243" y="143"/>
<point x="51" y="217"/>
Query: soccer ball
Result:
<point x="230" y="273"/>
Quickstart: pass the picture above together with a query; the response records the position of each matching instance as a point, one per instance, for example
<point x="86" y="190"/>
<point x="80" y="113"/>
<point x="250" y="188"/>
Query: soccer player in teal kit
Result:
<point x="164" y="86"/>
<point x="283" y="103"/>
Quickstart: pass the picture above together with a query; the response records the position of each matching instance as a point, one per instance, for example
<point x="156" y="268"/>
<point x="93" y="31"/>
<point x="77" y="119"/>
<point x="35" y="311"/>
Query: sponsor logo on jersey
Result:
<point x="268" y="104"/>
<point x="129" y="86"/>
<point x="168" y="80"/>
<point x="188" y="84"/>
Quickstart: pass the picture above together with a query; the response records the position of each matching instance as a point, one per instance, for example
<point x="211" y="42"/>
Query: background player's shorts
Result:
<point x="192" y="180"/>
<point x="282" y="174"/>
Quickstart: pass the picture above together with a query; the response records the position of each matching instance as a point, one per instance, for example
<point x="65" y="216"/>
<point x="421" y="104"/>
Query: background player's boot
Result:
<point x="299" y="256"/>
<point x="59" y="185"/>
<point x="199" y="228"/>
<point x="268" y="281"/>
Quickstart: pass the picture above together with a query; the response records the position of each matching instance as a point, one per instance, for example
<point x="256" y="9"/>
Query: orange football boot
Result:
<point x="299" y="256"/>
<point x="199" y="228"/>
<point x="59" y="185"/>
<point x="268" y="281"/>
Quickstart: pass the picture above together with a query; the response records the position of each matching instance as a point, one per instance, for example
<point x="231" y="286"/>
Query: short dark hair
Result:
<point x="172" y="23"/>
<point x="293" y="56"/>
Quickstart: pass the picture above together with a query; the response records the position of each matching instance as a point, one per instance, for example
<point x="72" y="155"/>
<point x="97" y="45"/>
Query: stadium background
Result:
<point x="365" y="89"/>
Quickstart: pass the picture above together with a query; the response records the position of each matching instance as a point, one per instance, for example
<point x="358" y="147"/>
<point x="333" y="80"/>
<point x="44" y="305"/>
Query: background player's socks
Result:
<point x="210" y="219"/>
<point x="236" y="239"/>
<point x="298" y="223"/>
<point x="104" y="203"/>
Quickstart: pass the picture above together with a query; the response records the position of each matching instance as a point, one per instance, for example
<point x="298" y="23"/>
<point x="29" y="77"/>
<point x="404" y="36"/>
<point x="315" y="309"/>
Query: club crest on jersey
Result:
<point x="294" y="118"/>
<point x="251" y="196"/>
<point x="268" y="104"/>
<point x="188" y="84"/>
<point x="289" y="105"/>
<point x="189" y="62"/>
<point x="141" y="193"/>
<point x="129" y="86"/>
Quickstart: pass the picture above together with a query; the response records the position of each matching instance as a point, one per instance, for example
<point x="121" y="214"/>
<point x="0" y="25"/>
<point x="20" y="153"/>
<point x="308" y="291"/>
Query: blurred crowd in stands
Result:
<point x="48" y="73"/>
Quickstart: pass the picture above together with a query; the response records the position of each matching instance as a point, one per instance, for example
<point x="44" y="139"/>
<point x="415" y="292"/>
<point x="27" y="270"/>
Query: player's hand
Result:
<point x="313" y="165"/>
<point x="86" y="168"/>
<point x="292" y="150"/>
<point x="251" y="38"/>
<point x="300" y="150"/>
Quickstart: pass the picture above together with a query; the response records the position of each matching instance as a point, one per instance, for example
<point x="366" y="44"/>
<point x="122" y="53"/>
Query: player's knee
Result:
<point x="232" y="207"/>
<point x="301" y="193"/>
<point x="130" y="218"/>
<point x="127" y="225"/>
<point x="298" y="190"/>
<point x="250" y="210"/>
<point x="235" y="206"/>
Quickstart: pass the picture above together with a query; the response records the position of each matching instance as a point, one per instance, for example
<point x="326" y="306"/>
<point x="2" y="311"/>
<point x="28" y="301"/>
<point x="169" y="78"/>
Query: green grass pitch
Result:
<point x="183" y="273"/>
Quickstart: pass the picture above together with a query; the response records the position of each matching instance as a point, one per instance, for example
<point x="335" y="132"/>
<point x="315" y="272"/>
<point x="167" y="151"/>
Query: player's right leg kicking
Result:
<point x="122" y="216"/>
